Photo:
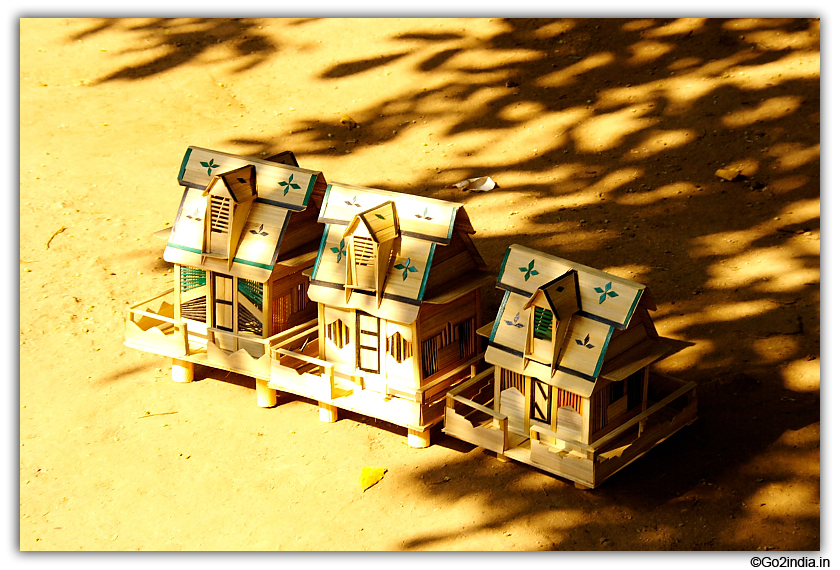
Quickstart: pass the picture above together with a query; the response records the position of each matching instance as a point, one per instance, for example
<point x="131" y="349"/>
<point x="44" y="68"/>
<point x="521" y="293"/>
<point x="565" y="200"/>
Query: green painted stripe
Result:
<point x="184" y="164"/>
<point x="426" y="273"/>
<point x="253" y="263"/>
<point x="309" y="190"/>
<point x="324" y="203"/>
<point x="603" y="353"/>
<point x="320" y="250"/>
<point x="183" y="247"/>
<point x="504" y="263"/>
<point x="235" y="259"/>
<point x="452" y="224"/>
<point x="633" y="307"/>
<point x="499" y="315"/>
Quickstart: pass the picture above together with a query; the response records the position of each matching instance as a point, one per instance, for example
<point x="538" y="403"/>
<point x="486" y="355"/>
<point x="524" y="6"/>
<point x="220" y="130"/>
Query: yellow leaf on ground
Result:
<point x="728" y="173"/>
<point x="371" y="476"/>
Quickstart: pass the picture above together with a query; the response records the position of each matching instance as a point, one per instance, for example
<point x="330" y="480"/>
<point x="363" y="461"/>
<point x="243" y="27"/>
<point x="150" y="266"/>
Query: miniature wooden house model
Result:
<point x="397" y="282"/>
<point x="242" y="238"/>
<point x="570" y="391"/>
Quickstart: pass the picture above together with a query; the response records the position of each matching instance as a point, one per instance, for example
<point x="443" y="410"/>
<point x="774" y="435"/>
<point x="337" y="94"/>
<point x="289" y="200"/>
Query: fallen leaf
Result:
<point x="371" y="476"/>
<point x="728" y="173"/>
<point x="482" y="184"/>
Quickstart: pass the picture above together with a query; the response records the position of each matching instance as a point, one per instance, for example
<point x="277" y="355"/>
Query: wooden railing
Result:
<point x="542" y="434"/>
<point x="179" y="342"/>
<point x="499" y="421"/>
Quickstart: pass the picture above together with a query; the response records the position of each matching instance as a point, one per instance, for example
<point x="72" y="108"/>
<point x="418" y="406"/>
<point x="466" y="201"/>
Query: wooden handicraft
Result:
<point x="360" y="299"/>
<point x="570" y="390"/>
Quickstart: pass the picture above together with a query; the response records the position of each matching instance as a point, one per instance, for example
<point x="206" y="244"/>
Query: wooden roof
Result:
<point x="280" y="189"/>
<point x="421" y="224"/>
<point x="278" y="184"/>
<point x="606" y="303"/>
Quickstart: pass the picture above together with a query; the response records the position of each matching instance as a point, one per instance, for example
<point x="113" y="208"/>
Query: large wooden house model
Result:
<point x="570" y="391"/>
<point x="398" y="284"/>
<point x="244" y="234"/>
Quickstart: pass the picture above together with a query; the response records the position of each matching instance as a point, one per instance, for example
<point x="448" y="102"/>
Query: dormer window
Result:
<point x="551" y="306"/>
<point x="229" y="198"/>
<point x="362" y="269"/>
<point x="371" y="238"/>
<point x="219" y="214"/>
<point x="543" y="323"/>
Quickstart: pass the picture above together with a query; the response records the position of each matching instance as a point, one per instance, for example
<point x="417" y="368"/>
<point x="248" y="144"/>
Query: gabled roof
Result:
<point x="606" y="303"/>
<point x="280" y="191"/>
<point x="422" y="225"/>
<point x="238" y="184"/>
<point x="278" y="184"/>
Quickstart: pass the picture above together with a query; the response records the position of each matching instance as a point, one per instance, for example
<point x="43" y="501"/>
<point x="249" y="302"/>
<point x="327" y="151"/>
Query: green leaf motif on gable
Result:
<point x="406" y="268"/>
<point x="340" y="250"/>
<point x="210" y="166"/>
<point x="605" y="292"/>
<point x="529" y="271"/>
<point x="286" y="185"/>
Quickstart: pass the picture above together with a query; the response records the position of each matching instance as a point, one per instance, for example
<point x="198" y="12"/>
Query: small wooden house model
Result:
<point x="571" y="391"/>
<point x="244" y="234"/>
<point x="398" y="284"/>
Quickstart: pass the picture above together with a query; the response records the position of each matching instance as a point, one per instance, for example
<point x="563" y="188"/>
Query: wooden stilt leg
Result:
<point x="327" y="412"/>
<point x="182" y="370"/>
<point x="266" y="397"/>
<point x="419" y="439"/>
<point x="502" y="457"/>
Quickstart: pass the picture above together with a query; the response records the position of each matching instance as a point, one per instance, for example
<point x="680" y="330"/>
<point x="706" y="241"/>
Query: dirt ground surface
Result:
<point x="604" y="137"/>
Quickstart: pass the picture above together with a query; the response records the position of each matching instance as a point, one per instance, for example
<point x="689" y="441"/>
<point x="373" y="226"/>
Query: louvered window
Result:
<point x="192" y="278"/>
<point x="253" y="292"/>
<point x="219" y="214"/>
<point x="193" y="294"/>
<point x="543" y="320"/>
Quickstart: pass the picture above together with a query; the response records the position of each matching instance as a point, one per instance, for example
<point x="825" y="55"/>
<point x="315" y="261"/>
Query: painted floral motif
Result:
<point x="288" y="185"/>
<point x="210" y="166"/>
<point x="259" y="231"/>
<point x="605" y="292"/>
<point x="585" y="342"/>
<point x="529" y="271"/>
<point x="515" y="322"/>
<point x="406" y="268"/>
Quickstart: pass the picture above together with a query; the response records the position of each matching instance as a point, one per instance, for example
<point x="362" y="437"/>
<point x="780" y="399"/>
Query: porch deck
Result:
<point x="470" y="417"/>
<point x="288" y="362"/>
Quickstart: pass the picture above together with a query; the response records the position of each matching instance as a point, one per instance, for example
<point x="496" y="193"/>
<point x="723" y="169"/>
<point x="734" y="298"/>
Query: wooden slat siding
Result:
<point x="622" y="341"/>
<point x="483" y="437"/>
<point x="470" y="245"/>
<point x="268" y="175"/>
<point x="409" y="207"/>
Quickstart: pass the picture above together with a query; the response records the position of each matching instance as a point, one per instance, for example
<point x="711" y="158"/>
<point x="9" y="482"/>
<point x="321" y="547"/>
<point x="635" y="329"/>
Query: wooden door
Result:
<point x="541" y="402"/>
<point x="223" y="294"/>
<point x="367" y="342"/>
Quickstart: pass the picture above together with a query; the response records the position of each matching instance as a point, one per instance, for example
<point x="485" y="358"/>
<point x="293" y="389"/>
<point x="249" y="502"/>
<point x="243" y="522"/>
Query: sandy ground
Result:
<point x="604" y="137"/>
